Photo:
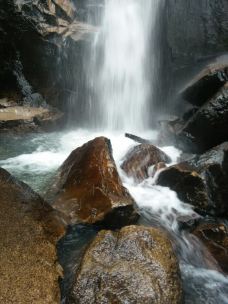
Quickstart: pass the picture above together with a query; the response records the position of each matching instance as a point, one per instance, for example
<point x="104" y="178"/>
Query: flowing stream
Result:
<point x="121" y="87"/>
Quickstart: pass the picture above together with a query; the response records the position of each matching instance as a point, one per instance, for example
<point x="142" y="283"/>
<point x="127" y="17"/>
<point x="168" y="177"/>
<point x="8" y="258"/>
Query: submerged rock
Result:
<point x="140" y="158"/>
<point x="89" y="189"/>
<point x="215" y="237"/>
<point x="135" y="265"/>
<point x="208" y="127"/>
<point x="30" y="229"/>
<point x="201" y="181"/>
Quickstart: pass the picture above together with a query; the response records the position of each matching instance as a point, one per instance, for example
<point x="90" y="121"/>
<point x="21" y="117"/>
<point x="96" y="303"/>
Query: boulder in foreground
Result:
<point x="30" y="229"/>
<point x="134" y="265"/>
<point x="89" y="189"/>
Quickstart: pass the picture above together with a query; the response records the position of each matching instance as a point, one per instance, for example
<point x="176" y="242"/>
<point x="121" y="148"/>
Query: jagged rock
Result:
<point x="215" y="237"/>
<point x="140" y="158"/>
<point x="43" y="38"/>
<point x="201" y="181"/>
<point x="135" y="265"/>
<point x="207" y="128"/>
<point x="89" y="189"/>
<point x="205" y="85"/>
<point x="25" y="118"/>
<point x="187" y="183"/>
<point x="158" y="167"/>
<point x="30" y="229"/>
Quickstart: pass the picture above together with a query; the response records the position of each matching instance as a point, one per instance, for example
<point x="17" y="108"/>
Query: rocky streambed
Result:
<point x="127" y="238"/>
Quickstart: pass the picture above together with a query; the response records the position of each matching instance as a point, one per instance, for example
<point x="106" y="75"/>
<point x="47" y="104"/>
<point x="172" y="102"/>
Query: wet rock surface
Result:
<point x="208" y="126"/>
<point x="214" y="236"/>
<point x="25" y="118"/>
<point x="140" y="158"/>
<point x="39" y="41"/>
<point x="134" y="265"/>
<point x="30" y="229"/>
<point x="89" y="190"/>
<point x="201" y="181"/>
<point x="205" y="85"/>
<point x="188" y="184"/>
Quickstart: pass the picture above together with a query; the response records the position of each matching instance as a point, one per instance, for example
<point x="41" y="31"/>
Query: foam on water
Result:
<point x="157" y="204"/>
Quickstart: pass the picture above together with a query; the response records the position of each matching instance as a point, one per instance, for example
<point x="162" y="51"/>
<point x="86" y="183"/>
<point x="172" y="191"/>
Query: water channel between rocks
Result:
<point x="35" y="159"/>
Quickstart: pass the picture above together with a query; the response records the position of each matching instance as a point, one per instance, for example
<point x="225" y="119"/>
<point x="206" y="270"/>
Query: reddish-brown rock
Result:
<point x="140" y="158"/>
<point x="89" y="189"/>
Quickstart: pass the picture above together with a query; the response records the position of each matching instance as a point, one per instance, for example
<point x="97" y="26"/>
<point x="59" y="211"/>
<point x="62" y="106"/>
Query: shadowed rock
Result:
<point x="206" y="85"/>
<point x="201" y="181"/>
<point x="89" y="189"/>
<point x="134" y="265"/>
<point x="208" y="127"/>
<point x="215" y="237"/>
<point x="140" y="158"/>
<point x="30" y="229"/>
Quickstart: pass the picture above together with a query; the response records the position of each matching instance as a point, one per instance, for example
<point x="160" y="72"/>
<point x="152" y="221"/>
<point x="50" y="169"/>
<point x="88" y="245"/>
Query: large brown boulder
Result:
<point x="89" y="189"/>
<point x="201" y="181"/>
<point x="135" y="265"/>
<point x="208" y="126"/>
<point x="29" y="230"/>
<point x="215" y="237"/>
<point x="140" y="158"/>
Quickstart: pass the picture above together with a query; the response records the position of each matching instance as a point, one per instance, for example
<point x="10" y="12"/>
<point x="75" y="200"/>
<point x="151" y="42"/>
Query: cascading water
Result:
<point x="120" y="84"/>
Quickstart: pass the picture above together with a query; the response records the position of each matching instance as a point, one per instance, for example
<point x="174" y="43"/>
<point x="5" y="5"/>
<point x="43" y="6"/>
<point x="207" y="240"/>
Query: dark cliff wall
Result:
<point x="40" y="47"/>
<point x="196" y="33"/>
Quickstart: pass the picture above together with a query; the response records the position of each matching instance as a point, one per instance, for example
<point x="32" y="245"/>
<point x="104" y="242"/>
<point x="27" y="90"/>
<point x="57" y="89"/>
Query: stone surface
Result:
<point x="205" y="85"/>
<point x="201" y="181"/>
<point x="25" y="118"/>
<point x="140" y="158"/>
<point x="208" y="126"/>
<point x="88" y="188"/>
<point x="30" y="229"/>
<point x="40" y="48"/>
<point x="134" y="265"/>
<point x="215" y="237"/>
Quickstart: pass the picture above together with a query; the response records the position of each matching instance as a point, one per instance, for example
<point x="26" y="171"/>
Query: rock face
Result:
<point x="30" y="229"/>
<point x="89" y="189"/>
<point x="201" y="181"/>
<point x="195" y="33"/>
<point x="39" y="42"/>
<point x="25" y="118"/>
<point x="134" y="265"/>
<point x="207" y="127"/>
<point x="206" y="85"/>
<point x="215" y="237"/>
<point x="196" y="29"/>
<point x="140" y="158"/>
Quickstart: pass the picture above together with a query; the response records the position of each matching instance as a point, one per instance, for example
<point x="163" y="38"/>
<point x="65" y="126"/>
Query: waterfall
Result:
<point x="122" y="66"/>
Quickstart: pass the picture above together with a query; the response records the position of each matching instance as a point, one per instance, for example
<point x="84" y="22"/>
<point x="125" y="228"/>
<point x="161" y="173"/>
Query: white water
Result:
<point x="118" y="73"/>
<point x="158" y="204"/>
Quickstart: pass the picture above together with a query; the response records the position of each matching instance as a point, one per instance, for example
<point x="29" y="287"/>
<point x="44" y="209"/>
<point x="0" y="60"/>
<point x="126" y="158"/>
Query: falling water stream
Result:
<point x="120" y="86"/>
